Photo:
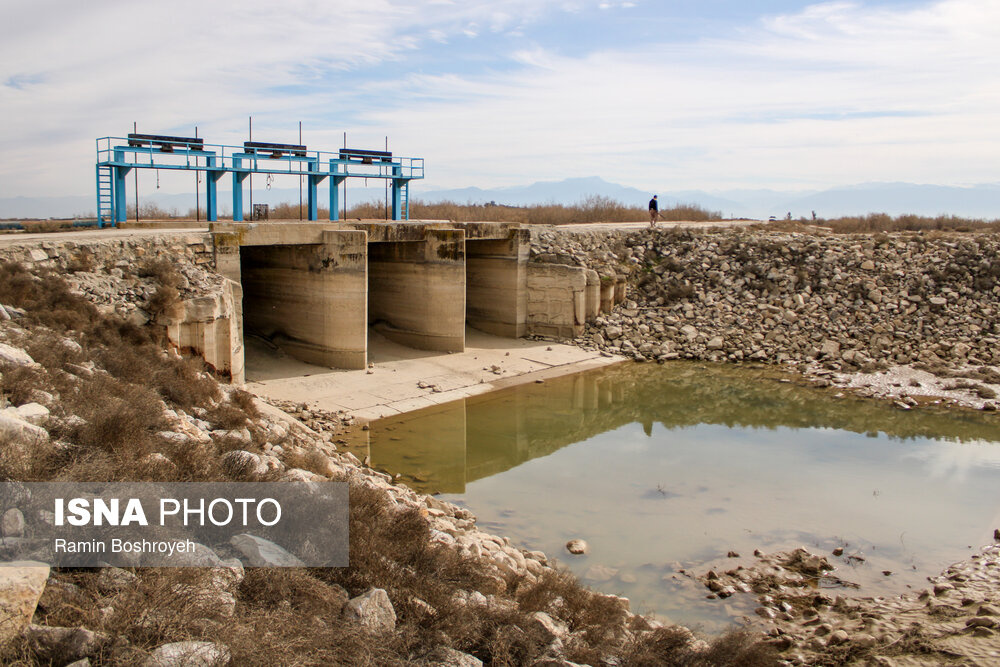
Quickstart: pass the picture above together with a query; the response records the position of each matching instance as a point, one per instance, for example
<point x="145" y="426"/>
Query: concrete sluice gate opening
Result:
<point x="313" y="291"/>
<point x="416" y="291"/>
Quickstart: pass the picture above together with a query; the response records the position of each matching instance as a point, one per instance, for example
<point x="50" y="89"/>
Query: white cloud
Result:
<point x="73" y="71"/>
<point x="835" y="93"/>
<point x="838" y="93"/>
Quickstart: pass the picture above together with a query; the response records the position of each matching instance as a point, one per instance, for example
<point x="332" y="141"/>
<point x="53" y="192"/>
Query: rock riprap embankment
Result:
<point x="847" y="301"/>
<point x="806" y="616"/>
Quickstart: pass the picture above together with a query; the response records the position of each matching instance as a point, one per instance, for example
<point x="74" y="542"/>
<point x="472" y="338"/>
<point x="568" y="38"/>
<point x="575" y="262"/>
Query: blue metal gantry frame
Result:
<point x="116" y="158"/>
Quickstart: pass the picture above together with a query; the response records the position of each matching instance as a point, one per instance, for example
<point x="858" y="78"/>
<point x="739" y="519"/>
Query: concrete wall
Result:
<point x="207" y="326"/>
<point x="557" y="300"/>
<point x="416" y="290"/>
<point x="496" y="296"/>
<point x="310" y="299"/>
<point x="593" y="295"/>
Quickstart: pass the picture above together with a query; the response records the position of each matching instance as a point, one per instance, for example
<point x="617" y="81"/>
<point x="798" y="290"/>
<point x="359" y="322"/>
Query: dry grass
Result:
<point x="112" y="384"/>
<point x="882" y="222"/>
<point x="591" y="209"/>
<point x="109" y="376"/>
<point x="669" y="646"/>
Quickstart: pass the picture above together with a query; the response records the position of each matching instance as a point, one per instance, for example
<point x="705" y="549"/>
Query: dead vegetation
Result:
<point x="875" y="223"/>
<point x="110" y="389"/>
<point x="592" y="209"/>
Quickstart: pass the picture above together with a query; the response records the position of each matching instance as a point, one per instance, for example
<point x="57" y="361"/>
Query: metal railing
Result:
<point x="116" y="152"/>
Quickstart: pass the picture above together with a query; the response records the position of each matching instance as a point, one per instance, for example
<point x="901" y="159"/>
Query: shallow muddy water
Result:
<point x="668" y="468"/>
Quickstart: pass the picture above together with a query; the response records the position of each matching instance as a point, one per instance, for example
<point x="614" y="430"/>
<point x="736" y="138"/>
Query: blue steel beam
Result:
<point x="119" y="160"/>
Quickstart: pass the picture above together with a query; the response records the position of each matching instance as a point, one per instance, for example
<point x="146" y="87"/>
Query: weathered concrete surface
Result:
<point x="416" y="290"/>
<point x="557" y="300"/>
<point x="392" y="386"/>
<point x="496" y="280"/>
<point x="310" y="298"/>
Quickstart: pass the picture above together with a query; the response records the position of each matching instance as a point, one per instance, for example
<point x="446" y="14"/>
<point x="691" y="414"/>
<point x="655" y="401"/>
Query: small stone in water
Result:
<point x="577" y="547"/>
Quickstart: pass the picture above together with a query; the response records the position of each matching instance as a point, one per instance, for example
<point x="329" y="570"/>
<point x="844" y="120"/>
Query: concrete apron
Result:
<point x="392" y="386"/>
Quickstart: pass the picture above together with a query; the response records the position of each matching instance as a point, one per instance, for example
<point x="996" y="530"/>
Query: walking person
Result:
<point x="654" y="211"/>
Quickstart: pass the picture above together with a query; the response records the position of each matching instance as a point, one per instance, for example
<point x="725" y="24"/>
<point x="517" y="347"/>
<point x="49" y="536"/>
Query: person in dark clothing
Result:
<point x="654" y="211"/>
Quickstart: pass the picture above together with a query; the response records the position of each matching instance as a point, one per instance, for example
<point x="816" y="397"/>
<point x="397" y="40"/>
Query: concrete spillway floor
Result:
<point x="391" y="386"/>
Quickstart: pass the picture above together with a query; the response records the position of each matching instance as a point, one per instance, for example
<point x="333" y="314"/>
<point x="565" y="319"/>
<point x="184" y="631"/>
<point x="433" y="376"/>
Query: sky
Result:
<point x="659" y="95"/>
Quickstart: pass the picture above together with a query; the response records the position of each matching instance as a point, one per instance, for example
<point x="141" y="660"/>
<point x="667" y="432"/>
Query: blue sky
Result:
<point x="667" y="95"/>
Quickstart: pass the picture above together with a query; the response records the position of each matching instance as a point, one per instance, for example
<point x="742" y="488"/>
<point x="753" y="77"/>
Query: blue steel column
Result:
<point x="211" y="192"/>
<point x="238" y="190"/>
<point x="397" y="192"/>
<point x="335" y="182"/>
<point x="313" y="182"/>
<point x="120" y="213"/>
<point x="120" y="209"/>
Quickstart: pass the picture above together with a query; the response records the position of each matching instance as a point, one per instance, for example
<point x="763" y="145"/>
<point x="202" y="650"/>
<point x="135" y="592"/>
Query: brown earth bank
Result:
<point x="91" y="389"/>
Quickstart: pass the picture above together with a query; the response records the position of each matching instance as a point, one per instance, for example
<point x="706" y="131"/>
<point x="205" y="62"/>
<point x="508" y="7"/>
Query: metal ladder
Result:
<point x="104" y="196"/>
<point x="404" y="200"/>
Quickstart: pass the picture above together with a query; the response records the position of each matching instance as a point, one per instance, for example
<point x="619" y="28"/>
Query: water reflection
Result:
<point x="663" y="468"/>
<point x="442" y="449"/>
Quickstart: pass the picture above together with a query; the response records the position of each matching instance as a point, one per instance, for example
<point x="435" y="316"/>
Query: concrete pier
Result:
<point x="315" y="290"/>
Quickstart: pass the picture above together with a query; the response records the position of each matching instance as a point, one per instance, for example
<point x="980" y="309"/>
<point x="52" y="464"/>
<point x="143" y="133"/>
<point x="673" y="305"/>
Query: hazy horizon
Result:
<point x="672" y="95"/>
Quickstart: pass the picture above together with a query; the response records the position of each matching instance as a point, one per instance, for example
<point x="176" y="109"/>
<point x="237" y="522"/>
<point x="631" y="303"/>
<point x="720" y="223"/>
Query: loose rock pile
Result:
<point x="776" y="297"/>
<point x="812" y="624"/>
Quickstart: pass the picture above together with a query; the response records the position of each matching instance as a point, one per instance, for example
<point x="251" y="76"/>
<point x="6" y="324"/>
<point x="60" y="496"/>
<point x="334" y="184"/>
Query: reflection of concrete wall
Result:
<point x="428" y="447"/>
<point x="310" y="299"/>
<point x="456" y="444"/>
<point x="557" y="300"/>
<point x="417" y="290"/>
<point x="496" y="285"/>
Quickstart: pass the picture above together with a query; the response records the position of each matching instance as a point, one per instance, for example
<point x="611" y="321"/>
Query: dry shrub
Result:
<point x="244" y="400"/>
<point x="226" y="416"/>
<point x="594" y="208"/>
<point x="120" y="418"/>
<point x="51" y="352"/>
<point x="165" y="298"/>
<point x="184" y="383"/>
<point x="180" y="381"/>
<point x="671" y="646"/>
<point x="35" y="463"/>
<point x="882" y="222"/>
<point x="307" y="459"/>
<point x="598" y="617"/>
<point x="235" y="412"/>
<point x="162" y="270"/>
<point x="45" y="297"/>
<point x="18" y="383"/>
<point x="298" y="589"/>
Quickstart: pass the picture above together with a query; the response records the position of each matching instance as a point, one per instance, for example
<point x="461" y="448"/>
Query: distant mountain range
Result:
<point x="979" y="201"/>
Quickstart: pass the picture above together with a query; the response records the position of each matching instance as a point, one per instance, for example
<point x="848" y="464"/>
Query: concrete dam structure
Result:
<point x="315" y="289"/>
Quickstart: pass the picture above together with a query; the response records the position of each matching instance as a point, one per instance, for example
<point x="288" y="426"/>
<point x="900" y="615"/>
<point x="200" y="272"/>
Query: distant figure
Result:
<point x="654" y="211"/>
